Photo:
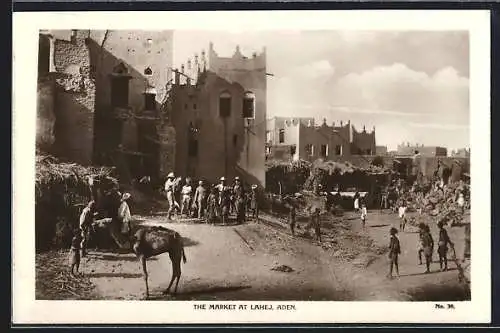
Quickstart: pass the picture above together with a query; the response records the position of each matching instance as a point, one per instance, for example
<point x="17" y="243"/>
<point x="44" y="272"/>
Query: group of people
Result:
<point x="425" y="247"/>
<point x="211" y="203"/>
<point x="105" y="203"/>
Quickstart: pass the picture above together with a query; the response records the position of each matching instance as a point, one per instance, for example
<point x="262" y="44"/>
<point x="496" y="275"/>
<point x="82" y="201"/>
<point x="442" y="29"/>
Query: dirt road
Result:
<point x="413" y="282"/>
<point x="239" y="262"/>
<point x="223" y="263"/>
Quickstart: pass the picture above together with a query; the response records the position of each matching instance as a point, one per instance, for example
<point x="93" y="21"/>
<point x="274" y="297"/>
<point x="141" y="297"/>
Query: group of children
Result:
<point x="425" y="246"/>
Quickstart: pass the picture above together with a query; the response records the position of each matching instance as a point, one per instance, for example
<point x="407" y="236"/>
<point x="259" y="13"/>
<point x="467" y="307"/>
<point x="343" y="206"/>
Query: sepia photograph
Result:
<point x="273" y="166"/>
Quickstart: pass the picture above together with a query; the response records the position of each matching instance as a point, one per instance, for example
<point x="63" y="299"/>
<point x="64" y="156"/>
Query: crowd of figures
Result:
<point x="210" y="203"/>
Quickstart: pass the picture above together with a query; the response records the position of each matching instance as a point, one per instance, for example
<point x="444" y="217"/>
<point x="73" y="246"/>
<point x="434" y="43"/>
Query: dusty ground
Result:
<point x="236" y="263"/>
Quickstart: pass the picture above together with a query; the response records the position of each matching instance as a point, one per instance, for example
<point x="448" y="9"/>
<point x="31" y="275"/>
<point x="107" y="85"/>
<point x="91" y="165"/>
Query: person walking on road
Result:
<point x="444" y="240"/>
<point x="316" y="223"/>
<point x="402" y="215"/>
<point x="428" y="246"/>
<point x="364" y="213"/>
<point x="394" y="252"/>
<point x="292" y="218"/>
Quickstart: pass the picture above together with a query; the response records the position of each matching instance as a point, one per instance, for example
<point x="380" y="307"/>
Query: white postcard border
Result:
<point x="27" y="310"/>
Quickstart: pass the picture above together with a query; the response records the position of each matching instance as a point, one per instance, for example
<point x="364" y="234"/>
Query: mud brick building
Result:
<point x="111" y="97"/>
<point x="301" y="138"/>
<point x="219" y="113"/>
<point x="427" y="151"/>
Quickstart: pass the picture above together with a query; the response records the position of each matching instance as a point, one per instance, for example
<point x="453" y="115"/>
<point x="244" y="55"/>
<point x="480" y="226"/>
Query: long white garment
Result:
<point x="125" y="216"/>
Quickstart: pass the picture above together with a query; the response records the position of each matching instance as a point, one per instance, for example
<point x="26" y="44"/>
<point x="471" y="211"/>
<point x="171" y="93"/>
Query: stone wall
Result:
<point x="75" y="99"/>
<point x="45" y="113"/>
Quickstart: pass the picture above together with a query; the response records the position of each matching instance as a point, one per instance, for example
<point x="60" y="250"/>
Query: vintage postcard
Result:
<point x="251" y="167"/>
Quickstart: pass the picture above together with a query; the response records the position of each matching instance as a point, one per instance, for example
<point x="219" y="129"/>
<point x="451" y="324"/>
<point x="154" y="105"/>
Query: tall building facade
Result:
<point x="219" y="112"/>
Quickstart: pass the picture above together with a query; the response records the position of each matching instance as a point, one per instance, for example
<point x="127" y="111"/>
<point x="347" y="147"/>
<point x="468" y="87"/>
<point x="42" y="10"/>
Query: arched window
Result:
<point x="249" y="105"/>
<point x="120" y="86"/>
<point x="225" y="104"/>
<point x="148" y="71"/>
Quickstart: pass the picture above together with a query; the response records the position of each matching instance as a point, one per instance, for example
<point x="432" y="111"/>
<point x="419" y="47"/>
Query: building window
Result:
<point x="224" y="105"/>
<point x="281" y="136"/>
<point x="235" y="140"/>
<point x="149" y="101"/>
<point x="338" y="150"/>
<point x="293" y="150"/>
<point x="324" y="150"/>
<point x="249" y="105"/>
<point x="309" y="149"/>
<point x="119" y="92"/>
<point x="148" y="71"/>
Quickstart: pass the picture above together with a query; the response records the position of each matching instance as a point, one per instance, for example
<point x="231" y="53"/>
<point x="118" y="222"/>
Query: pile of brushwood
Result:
<point x="54" y="280"/>
<point x="61" y="192"/>
<point x="330" y="174"/>
<point x="286" y="177"/>
<point x="441" y="204"/>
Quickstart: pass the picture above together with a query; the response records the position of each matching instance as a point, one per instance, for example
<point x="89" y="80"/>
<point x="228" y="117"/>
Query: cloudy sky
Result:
<point x="412" y="86"/>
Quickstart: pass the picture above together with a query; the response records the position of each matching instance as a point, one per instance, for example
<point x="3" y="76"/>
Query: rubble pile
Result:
<point x="441" y="204"/>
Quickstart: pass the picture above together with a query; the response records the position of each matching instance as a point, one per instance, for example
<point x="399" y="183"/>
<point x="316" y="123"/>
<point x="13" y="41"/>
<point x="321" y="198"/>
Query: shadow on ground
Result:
<point x="247" y="293"/>
<point x="114" y="275"/>
<point x="440" y="293"/>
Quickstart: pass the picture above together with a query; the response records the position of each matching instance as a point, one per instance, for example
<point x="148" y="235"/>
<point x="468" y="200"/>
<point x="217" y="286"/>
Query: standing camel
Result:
<point x="147" y="242"/>
<point x="152" y="241"/>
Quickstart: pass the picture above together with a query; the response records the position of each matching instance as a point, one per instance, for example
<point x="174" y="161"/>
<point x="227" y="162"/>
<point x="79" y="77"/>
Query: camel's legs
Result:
<point x="173" y="275"/>
<point x="145" y="274"/>
<point x="176" y="264"/>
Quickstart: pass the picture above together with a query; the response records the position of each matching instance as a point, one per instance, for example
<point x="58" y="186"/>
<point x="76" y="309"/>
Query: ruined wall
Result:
<point x="136" y="51"/>
<point x="74" y="100"/>
<point x="45" y="113"/>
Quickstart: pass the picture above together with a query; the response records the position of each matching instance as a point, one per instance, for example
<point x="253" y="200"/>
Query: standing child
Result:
<point x="212" y="204"/>
<point x="394" y="252"/>
<point x="364" y="213"/>
<point x="428" y="245"/>
<point x="444" y="240"/>
<point x="186" y="192"/>
<point x="253" y="202"/>
<point x="292" y="218"/>
<point x="75" y="252"/>
<point x="356" y="201"/>
<point x="420" y="244"/>
<point x="402" y="215"/>
<point x="316" y="223"/>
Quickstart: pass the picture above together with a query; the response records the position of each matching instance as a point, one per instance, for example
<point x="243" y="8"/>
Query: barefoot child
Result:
<point x="394" y="252"/>
<point x="316" y="223"/>
<point x="75" y="252"/>
<point x="364" y="213"/>
<point x="402" y="216"/>
<point x="292" y="218"/>
<point x="444" y="240"/>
